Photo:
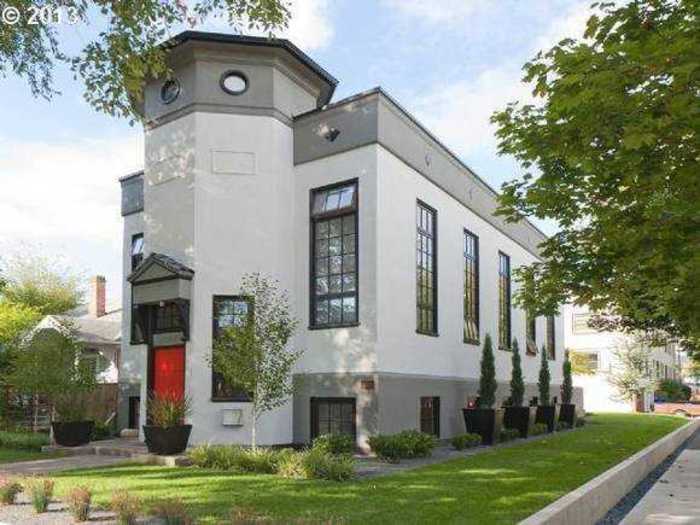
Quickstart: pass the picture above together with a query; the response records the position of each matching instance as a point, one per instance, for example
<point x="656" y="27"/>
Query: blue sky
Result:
<point x="449" y="62"/>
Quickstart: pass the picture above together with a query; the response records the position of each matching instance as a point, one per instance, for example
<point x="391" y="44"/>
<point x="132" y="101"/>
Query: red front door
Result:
<point x="169" y="371"/>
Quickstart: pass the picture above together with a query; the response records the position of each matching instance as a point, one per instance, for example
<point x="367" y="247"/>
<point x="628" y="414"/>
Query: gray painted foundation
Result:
<point x="126" y="390"/>
<point x="387" y="403"/>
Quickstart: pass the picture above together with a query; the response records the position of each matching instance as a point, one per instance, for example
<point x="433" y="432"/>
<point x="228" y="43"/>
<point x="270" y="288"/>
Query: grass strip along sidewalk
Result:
<point x="498" y="486"/>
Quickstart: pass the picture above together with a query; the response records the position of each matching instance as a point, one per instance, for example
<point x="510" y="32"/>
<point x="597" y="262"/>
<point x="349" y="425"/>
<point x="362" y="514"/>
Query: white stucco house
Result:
<point x="598" y="348"/>
<point x="386" y="241"/>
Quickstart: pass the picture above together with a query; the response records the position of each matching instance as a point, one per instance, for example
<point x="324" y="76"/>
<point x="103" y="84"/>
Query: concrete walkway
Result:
<point x="675" y="498"/>
<point x="47" y="466"/>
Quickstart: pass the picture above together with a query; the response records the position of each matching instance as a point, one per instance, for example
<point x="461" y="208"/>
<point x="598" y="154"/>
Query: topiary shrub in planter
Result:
<point x="567" y="410"/>
<point x="515" y="415"/>
<point x="484" y="419"/>
<point x="167" y="435"/>
<point x="546" y="412"/>
<point x="508" y="434"/>
<point x="463" y="441"/>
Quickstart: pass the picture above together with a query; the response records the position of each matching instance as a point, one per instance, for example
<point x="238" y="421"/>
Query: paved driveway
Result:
<point x="47" y="466"/>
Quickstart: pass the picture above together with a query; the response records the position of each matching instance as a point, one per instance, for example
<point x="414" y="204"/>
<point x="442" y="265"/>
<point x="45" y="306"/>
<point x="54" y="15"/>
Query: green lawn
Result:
<point x="498" y="486"/>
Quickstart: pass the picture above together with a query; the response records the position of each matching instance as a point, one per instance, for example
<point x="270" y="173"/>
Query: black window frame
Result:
<point x="505" y="314"/>
<point x="237" y="396"/>
<point x="169" y="322"/>
<point x="136" y="258"/>
<point x="433" y="419"/>
<point x="315" y="430"/>
<point x="551" y="338"/>
<point x="315" y="219"/>
<point x="471" y="302"/>
<point x="420" y="252"/>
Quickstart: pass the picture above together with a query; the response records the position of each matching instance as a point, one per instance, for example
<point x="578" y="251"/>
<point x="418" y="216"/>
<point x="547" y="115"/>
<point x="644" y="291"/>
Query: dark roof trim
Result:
<point x="203" y="36"/>
<point x="130" y="176"/>
<point x="380" y="92"/>
<point x="169" y="264"/>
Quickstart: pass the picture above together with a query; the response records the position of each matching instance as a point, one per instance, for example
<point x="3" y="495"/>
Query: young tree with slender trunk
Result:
<point x="630" y="375"/>
<point x="255" y="355"/>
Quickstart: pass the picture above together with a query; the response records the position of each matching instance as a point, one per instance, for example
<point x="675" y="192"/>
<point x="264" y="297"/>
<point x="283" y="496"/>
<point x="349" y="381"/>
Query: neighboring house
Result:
<point x="388" y="244"/>
<point x="597" y="348"/>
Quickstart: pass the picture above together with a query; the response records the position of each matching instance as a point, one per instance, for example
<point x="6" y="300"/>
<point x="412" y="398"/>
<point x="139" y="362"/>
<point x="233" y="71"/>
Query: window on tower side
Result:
<point x="551" y="338"/>
<point x="136" y="250"/>
<point x="531" y="335"/>
<point x="334" y="250"/>
<point x="471" y="288"/>
<point x="426" y="269"/>
<point x="228" y="310"/>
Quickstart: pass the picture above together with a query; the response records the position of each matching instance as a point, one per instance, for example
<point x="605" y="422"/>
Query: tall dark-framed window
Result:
<point x="136" y="250"/>
<point x="430" y="415"/>
<point x="228" y="310"/>
<point x="426" y="270"/>
<point x="551" y="338"/>
<point x="531" y="335"/>
<point x="471" y="288"/>
<point x="504" y="314"/>
<point x="334" y="251"/>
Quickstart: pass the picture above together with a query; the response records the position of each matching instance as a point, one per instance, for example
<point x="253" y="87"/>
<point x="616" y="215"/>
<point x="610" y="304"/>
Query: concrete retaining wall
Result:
<point x="590" y="502"/>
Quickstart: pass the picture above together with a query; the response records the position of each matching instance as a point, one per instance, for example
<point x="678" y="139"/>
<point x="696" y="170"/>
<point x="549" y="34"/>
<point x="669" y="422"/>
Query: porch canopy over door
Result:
<point x="157" y="282"/>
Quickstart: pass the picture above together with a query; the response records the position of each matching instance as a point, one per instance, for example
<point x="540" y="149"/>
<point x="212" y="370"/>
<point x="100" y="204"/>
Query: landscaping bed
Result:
<point x="502" y="485"/>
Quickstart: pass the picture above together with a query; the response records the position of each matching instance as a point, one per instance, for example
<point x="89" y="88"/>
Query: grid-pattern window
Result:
<point x="166" y="318"/>
<point x="426" y="269"/>
<point x="590" y="361"/>
<point x="430" y="415"/>
<point x="580" y="324"/>
<point x="504" y="315"/>
<point x="229" y="310"/>
<point x="332" y="416"/>
<point x="531" y="335"/>
<point x="551" y="338"/>
<point x="136" y="250"/>
<point x="471" y="288"/>
<point x="334" y="294"/>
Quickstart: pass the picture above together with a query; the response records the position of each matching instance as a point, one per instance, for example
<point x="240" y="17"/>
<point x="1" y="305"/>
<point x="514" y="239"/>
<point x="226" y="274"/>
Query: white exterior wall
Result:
<point x="599" y="395"/>
<point x="400" y="349"/>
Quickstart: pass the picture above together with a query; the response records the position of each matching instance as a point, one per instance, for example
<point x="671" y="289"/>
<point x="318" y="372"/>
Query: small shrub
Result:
<point x="235" y="458"/>
<point x="580" y="422"/>
<point x="322" y="465"/>
<point x="8" y="491"/>
<point x="404" y="445"/>
<point x="335" y="443"/>
<point x="467" y="440"/>
<point x="78" y="499"/>
<point x="290" y="464"/>
<point x="172" y="512"/>
<point x="538" y="429"/>
<point x="563" y="425"/>
<point x="40" y="493"/>
<point x="126" y="507"/>
<point x="509" y="434"/>
<point x="23" y="440"/>
<point x="102" y="431"/>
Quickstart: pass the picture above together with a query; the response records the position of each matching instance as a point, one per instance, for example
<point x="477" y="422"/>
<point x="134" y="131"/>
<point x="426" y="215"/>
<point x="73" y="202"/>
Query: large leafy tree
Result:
<point x="610" y="149"/>
<point x="121" y="48"/>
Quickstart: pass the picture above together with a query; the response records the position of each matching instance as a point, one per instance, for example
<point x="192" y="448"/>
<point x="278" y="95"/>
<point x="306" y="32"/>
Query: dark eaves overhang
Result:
<point x="330" y="82"/>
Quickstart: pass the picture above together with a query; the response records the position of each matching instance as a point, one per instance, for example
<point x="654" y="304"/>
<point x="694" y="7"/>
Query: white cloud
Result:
<point x="53" y="191"/>
<point x="571" y="24"/>
<point x="443" y="11"/>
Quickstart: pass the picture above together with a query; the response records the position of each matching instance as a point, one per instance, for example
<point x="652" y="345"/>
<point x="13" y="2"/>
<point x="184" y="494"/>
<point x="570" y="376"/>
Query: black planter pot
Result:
<point x="72" y="433"/>
<point x="487" y="422"/>
<point x="520" y="418"/>
<point x="547" y="414"/>
<point x="567" y="414"/>
<point x="167" y="441"/>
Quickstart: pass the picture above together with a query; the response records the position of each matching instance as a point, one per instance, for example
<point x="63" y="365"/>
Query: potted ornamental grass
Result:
<point x="167" y="434"/>
<point x="71" y="426"/>
<point x="483" y="419"/>
<point x="546" y="410"/>
<point x="516" y="415"/>
<point x="567" y="410"/>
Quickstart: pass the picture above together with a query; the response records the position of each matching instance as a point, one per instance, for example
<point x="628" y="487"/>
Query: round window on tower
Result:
<point x="234" y="82"/>
<point x="169" y="91"/>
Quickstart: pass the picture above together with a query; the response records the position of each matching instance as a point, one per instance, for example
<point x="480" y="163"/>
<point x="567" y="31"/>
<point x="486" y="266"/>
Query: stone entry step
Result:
<point x="127" y="448"/>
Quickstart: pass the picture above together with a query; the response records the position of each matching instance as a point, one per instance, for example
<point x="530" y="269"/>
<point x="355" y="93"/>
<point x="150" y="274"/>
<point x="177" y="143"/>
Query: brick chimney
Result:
<point x="97" y="300"/>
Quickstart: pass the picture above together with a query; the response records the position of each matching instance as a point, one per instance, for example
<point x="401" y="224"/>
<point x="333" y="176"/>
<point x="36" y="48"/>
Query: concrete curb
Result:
<point x="591" y="502"/>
